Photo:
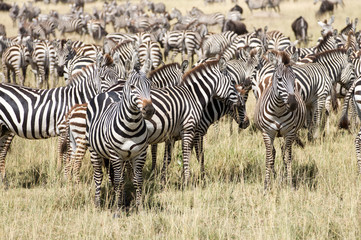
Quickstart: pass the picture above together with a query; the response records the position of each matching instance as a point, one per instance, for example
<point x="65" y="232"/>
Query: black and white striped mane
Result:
<point x="203" y="66"/>
<point x="164" y="67"/>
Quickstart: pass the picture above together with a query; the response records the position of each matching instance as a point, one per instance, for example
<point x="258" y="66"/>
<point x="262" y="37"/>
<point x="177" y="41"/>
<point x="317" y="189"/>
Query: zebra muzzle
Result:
<point x="148" y="109"/>
<point x="291" y="103"/>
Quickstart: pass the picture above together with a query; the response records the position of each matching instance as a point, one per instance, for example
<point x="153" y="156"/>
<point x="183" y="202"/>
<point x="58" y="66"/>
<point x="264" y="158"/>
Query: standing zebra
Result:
<point x="43" y="62"/>
<point x="150" y="50"/>
<point x="280" y="111"/>
<point x="15" y="59"/>
<point x="354" y="93"/>
<point x="36" y="113"/>
<point x="117" y="131"/>
<point x="75" y="120"/>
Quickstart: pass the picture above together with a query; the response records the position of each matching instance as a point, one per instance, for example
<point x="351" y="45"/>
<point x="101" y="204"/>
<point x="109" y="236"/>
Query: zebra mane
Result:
<point x="347" y="29"/>
<point x="107" y="60"/>
<point x="198" y="69"/>
<point x="125" y="42"/>
<point x="324" y="39"/>
<point x="317" y="56"/>
<point x="282" y="57"/>
<point x="350" y="36"/>
<point x="73" y="79"/>
<point x="162" y="68"/>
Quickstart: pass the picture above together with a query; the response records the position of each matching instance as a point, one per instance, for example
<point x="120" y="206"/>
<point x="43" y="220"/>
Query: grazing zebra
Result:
<point x="117" y="131"/>
<point x="36" y="113"/>
<point x="150" y="50"/>
<point x="15" y="59"/>
<point x="280" y="111"/>
<point x="354" y="93"/>
<point x="43" y="62"/>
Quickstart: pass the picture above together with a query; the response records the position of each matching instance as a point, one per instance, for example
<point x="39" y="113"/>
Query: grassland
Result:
<point x="325" y="202"/>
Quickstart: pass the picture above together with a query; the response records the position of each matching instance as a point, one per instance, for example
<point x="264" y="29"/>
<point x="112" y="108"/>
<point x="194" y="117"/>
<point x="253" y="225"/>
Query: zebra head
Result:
<point x="348" y="73"/>
<point x="283" y="79"/>
<point x="226" y="87"/>
<point x="138" y="88"/>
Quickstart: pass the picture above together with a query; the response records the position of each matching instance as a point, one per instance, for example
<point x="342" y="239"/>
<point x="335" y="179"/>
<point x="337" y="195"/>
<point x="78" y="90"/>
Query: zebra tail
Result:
<point x="334" y="102"/>
<point x="299" y="142"/>
<point x="344" y="122"/>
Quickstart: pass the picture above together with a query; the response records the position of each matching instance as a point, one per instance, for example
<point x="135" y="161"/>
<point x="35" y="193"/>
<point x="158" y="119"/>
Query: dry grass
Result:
<point x="230" y="204"/>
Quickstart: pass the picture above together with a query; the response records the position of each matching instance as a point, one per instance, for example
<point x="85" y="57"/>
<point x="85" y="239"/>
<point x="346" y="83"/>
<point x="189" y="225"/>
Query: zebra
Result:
<point x="43" y="62"/>
<point x="150" y="50"/>
<point x="247" y="40"/>
<point x="214" y="45"/>
<point x="280" y="111"/>
<point x="353" y="94"/>
<point x="314" y="81"/>
<point x="36" y="113"/>
<point x="73" y="25"/>
<point x="76" y="65"/>
<point x="199" y="85"/>
<point x="117" y="131"/>
<point x="96" y="29"/>
<point x="14" y="59"/>
<point x="75" y="121"/>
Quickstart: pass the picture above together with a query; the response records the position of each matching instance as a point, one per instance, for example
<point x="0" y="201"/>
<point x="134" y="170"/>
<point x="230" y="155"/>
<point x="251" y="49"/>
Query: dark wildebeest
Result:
<point x="237" y="8"/>
<point x="235" y="26"/>
<point x="299" y="27"/>
<point x="327" y="6"/>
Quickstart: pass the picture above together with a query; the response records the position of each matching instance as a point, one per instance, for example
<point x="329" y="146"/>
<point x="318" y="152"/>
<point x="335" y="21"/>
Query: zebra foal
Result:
<point x="280" y="111"/>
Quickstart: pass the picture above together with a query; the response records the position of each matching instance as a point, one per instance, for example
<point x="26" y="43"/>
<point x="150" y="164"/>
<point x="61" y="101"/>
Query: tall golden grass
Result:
<point x="229" y="204"/>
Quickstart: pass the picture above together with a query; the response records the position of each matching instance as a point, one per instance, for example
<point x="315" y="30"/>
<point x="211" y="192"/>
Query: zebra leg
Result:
<point x="81" y="148"/>
<point x="23" y="76"/>
<point x="268" y="141"/>
<point x="198" y="145"/>
<point x="14" y="77"/>
<point x="154" y="149"/>
<point x="138" y="178"/>
<point x="358" y="150"/>
<point x="96" y="161"/>
<point x="5" y="142"/>
<point x="166" y="159"/>
<point x="288" y="157"/>
<point x="230" y="120"/>
<point x="187" y="150"/>
<point x="119" y="169"/>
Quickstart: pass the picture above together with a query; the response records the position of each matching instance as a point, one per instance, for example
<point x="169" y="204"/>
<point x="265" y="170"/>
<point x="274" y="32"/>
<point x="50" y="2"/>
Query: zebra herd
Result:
<point x="120" y="97"/>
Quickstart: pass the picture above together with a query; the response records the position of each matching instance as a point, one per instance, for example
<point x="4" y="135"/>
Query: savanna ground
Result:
<point x="230" y="204"/>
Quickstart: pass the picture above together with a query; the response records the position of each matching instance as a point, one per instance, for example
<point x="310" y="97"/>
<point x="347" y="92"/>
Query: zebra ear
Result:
<point x="147" y="66"/>
<point x="332" y="19"/>
<point x="294" y="57"/>
<point x="116" y="58"/>
<point x="347" y="20"/>
<point x="349" y="55"/>
<point x="99" y="59"/>
<point x="69" y="43"/>
<point x="222" y="65"/>
<point x="335" y="32"/>
<point x="184" y="65"/>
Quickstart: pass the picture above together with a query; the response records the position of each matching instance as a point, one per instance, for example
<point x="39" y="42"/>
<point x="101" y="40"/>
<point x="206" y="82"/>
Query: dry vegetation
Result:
<point x="324" y="204"/>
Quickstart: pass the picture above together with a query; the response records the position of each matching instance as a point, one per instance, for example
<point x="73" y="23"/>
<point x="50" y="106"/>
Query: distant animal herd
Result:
<point x="126" y="91"/>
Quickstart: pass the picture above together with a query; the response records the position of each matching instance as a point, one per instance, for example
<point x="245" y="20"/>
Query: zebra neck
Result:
<point x="202" y="91"/>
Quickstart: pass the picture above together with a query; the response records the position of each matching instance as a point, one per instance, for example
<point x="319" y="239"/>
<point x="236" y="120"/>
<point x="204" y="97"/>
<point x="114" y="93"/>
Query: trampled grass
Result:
<point x="325" y="202"/>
